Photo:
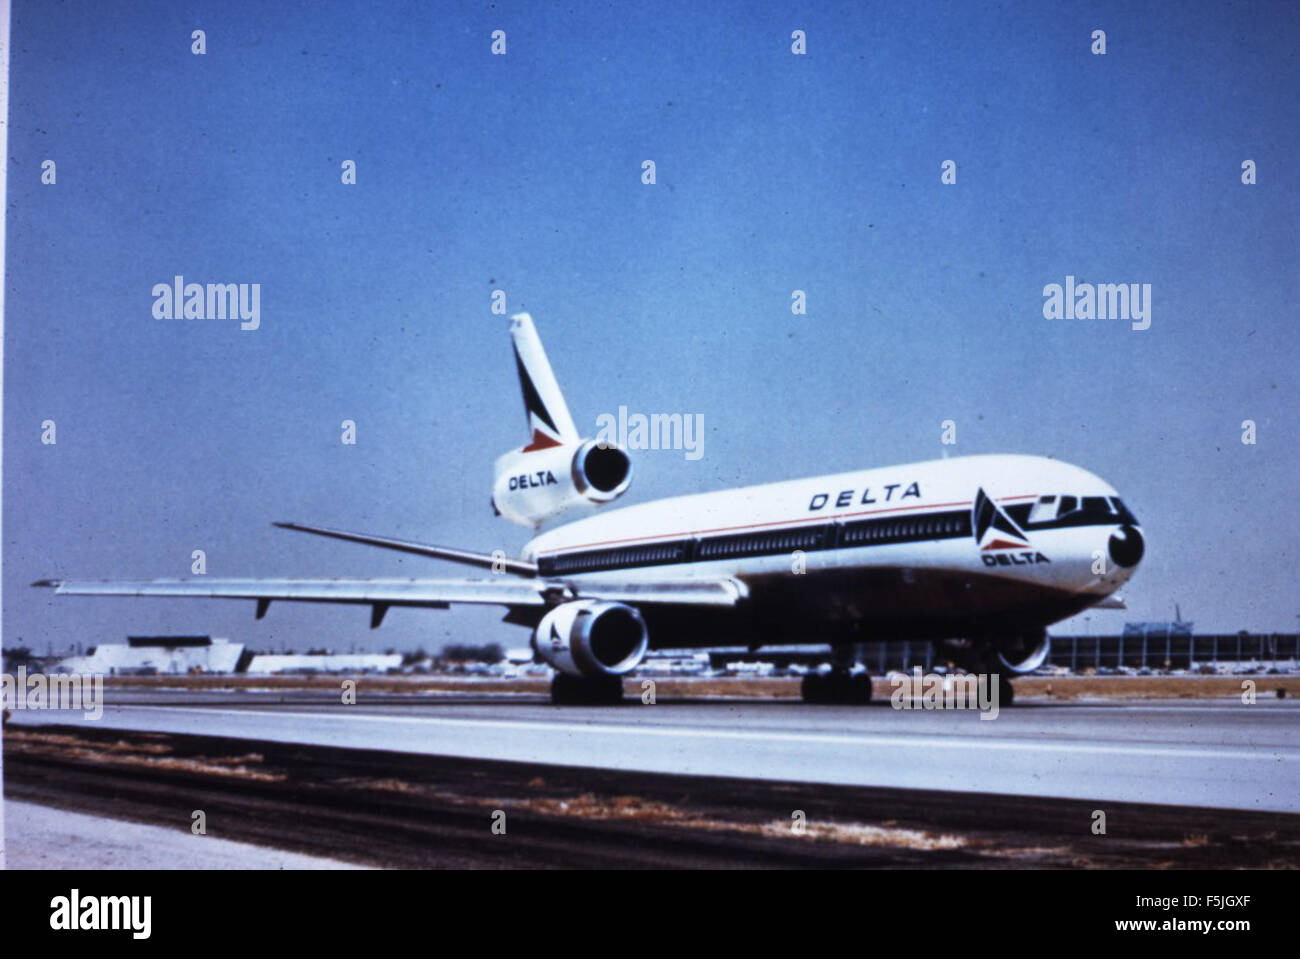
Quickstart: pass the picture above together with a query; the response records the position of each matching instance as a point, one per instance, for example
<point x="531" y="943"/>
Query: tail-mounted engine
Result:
<point x="590" y="638"/>
<point x="534" y="485"/>
<point x="558" y="470"/>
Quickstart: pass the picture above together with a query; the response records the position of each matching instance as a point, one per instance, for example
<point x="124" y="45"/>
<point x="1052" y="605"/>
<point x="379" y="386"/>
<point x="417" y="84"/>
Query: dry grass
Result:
<point x="636" y="809"/>
<point x="861" y="834"/>
<point x="121" y="753"/>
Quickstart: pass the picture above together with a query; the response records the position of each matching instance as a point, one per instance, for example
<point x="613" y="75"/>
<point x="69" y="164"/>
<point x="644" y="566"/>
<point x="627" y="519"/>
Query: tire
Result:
<point x="813" y="688"/>
<point x="860" y="689"/>
<point x="569" y="690"/>
<point x="836" y="688"/>
<point x="1006" y="692"/>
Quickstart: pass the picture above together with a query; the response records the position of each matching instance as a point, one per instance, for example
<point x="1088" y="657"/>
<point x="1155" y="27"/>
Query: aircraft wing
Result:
<point x="497" y="563"/>
<point x="380" y="594"/>
<point x="438" y="593"/>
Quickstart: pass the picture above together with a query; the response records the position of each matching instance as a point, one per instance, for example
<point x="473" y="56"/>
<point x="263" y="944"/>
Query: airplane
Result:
<point x="977" y="554"/>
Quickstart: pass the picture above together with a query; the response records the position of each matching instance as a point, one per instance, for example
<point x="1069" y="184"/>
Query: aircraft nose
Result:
<point x="1126" y="546"/>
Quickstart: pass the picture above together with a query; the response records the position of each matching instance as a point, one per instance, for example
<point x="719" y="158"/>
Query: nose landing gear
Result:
<point x="982" y="658"/>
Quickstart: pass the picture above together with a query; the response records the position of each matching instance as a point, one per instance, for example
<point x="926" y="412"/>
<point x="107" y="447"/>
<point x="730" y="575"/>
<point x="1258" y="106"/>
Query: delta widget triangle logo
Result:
<point x="538" y="414"/>
<point x="993" y="528"/>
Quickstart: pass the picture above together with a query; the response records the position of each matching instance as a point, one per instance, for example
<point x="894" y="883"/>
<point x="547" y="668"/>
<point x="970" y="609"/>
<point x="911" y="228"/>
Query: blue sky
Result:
<point x="522" y="172"/>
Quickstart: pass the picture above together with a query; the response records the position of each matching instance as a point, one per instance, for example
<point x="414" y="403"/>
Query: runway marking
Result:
<point x="1271" y="754"/>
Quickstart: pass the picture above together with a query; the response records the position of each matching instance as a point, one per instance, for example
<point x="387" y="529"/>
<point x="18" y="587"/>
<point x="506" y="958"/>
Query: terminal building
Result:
<point x="268" y="663"/>
<point x="189" y="655"/>
<point x="153" y="655"/>
<point x="1155" y="646"/>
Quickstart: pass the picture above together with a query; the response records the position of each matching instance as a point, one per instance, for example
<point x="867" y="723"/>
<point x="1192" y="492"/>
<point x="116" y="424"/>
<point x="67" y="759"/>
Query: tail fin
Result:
<point x="558" y="471"/>
<point x="549" y="422"/>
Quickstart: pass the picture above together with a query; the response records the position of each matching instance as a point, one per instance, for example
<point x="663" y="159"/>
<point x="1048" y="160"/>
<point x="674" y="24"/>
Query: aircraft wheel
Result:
<point x="1006" y="692"/>
<point x="612" y="693"/>
<point x="860" y="689"/>
<point x="813" y="688"/>
<point x="837" y="688"/>
<point x="569" y="690"/>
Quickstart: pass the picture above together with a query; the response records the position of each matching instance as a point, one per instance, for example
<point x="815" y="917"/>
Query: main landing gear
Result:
<point x="838" y="687"/>
<point x="569" y="690"/>
<point x="842" y="685"/>
<point x="1006" y="692"/>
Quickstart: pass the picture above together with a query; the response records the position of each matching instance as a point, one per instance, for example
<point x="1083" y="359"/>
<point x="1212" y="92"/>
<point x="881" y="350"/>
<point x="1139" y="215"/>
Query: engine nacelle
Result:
<point x="591" y="638"/>
<point x="534" y="485"/>
<point x="1024" y="653"/>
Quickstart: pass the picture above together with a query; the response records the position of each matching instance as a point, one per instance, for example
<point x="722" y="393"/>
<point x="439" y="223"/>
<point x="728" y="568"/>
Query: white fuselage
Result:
<point x="879" y="553"/>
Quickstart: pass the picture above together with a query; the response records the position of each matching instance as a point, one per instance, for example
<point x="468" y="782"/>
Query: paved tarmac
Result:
<point x="1216" y="753"/>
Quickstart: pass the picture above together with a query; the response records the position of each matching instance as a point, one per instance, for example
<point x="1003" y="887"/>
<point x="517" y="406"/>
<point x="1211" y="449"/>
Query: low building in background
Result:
<point x="193" y="655"/>
<point x="157" y="655"/>
<point x="674" y="663"/>
<point x="1142" y="647"/>
<point x="267" y="663"/>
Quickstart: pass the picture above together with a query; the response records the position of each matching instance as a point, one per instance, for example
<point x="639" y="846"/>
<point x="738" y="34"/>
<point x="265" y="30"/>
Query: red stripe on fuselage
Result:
<point x="803" y="520"/>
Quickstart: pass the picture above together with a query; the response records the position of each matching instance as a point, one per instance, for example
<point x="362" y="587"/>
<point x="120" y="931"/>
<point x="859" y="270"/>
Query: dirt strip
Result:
<point x="411" y="811"/>
<point x="747" y="687"/>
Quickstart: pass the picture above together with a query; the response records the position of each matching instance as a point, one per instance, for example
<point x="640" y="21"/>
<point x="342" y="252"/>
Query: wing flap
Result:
<point x="685" y="592"/>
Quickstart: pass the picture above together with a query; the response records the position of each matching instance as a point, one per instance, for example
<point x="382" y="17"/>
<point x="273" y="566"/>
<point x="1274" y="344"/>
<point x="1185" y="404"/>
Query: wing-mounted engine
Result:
<point x="591" y="638"/>
<point x="1013" y="654"/>
<point x="1025" y="652"/>
<point x="558" y="471"/>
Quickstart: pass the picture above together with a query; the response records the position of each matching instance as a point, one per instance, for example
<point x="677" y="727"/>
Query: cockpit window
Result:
<point x="1123" y="514"/>
<point x="1044" y="510"/>
<point x="1070" y="510"/>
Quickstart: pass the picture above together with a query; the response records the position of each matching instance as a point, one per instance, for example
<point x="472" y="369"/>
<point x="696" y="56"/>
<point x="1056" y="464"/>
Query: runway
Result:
<point x="1217" y="753"/>
<point x="390" y="809"/>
